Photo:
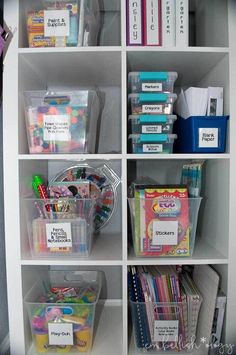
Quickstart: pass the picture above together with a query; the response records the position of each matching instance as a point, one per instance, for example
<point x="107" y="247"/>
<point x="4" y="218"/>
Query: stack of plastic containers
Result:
<point x="151" y="120"/>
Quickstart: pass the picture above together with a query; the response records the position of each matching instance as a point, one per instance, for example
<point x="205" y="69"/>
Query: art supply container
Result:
<point x="162" y="327"/>
<point x="151" y="124"/>
<point x="154" y="104"/>
<point x="164" y="227"/>
<point x="61" y="121"/>
<point x="152" y="143"/>
<point x="151" y="81"/>
<point x="61" y="310"/>
<point x="54" y="24"/>
<point x="60" y="227"/>
<point x="201" y="134"/>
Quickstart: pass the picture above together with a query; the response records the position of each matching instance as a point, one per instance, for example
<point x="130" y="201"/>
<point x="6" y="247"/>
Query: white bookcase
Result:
<point x="212" y="62"/>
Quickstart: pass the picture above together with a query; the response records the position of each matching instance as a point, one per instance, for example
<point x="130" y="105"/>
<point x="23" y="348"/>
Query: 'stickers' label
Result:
<point x="60" y="334"/>
<point x="56" y="23"/>
<point x="165" y="233"/>
<point x="151" y="87"/>
<point x="153" y="148"/>
<point x="59" y="235"/>
<point x="152" y="108"/>
<point x="152" y="129"/>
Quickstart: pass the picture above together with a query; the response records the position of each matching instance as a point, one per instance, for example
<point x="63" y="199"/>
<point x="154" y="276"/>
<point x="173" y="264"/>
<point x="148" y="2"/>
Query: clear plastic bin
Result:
<point x="151" y="81"/>
<point x="61" y="121"/>
<point x="163" y="327"/>
<point x="66" y="233"/>
<point x="164" y="227"/>
<point x="152" y="143"/>
<point x="63" y="23"/>
<point x="64" y="326"/>
<point x="151" y="123"/>
<point x="154" y="104"/>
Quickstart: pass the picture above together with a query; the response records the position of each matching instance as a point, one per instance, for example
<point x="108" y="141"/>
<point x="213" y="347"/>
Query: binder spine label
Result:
<point x="151" y="87"/>
<point x="182" y="22"/>
<point x="134" y="22"/>
<point x="152" y="23"/>
<point x="168" y="23"/>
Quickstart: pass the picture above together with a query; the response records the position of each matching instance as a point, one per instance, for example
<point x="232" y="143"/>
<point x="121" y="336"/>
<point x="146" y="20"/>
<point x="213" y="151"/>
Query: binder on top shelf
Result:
<point x="182" y="23"/>
<point x="134" y="22"/>
<point x="152" y="22"/>
<point x="168" y="23"/>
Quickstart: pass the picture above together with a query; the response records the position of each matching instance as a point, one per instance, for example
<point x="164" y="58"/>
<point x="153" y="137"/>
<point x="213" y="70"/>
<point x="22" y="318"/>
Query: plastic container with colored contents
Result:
<point x="152" y="143"/>
<point x="62" y="121"/>
<point x="60" y="227"/>
<point x="151" y="123"/>
<point x="154" y="104"/>
<point x="61" y="309"/>
<point x="164" y="226"/>
<point x="151" y="81"/>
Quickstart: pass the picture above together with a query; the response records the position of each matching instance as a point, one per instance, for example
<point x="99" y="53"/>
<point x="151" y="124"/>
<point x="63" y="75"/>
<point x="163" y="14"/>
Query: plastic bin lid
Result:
<point x="154" y="75"/>
<point x="158" y="137"/>
<point x="153" y="118"/>
<point x="160" y="97"/>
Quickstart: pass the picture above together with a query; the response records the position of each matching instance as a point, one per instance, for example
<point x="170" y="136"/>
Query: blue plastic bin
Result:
<point x="201" y="134"/>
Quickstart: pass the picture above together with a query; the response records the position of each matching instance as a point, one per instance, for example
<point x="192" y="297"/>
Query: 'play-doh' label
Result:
<point x="208" y="137"/>
<point x="153" y="148"/>
<point x="151" y="87"/>
<point x="152" y="108"/>
<point x="60" y="334"/>
<point x="152" y="129"/>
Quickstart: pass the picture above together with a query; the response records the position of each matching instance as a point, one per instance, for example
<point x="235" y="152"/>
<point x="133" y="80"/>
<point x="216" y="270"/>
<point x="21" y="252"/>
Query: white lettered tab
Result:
<point x="56" y="23"/>
<point x="165" y="232"/>
<point x="166" y="330"/>
<point x="152" y="108"/>
<point x="59" y="235"/>
<point x="152" y="129"/>
<point x="60" y="334"/>
<point x="56" y="128"/>
<point x="151" y="87"/>
<point x="152" y="148"/>
<point x="208" y="137"/>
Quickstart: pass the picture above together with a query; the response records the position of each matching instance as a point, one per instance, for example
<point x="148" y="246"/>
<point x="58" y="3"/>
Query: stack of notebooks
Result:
<point x="165" y="306"/>
<point x="158" y="23"/>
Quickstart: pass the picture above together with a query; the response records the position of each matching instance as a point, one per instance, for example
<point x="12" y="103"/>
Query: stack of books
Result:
<point x="157" y="23"/>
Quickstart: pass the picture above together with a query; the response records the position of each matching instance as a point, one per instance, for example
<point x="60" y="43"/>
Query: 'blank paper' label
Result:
<point x="166" y="330"/>
<point x="208" y="137"/>
<point x="60" y="334"/>
<point x="56" y="23"/>
<point x="165" y="233"/>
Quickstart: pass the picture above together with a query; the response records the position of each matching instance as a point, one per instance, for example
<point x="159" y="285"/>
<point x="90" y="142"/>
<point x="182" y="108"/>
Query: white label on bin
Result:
<point x="58" y="235"/>
<point x="166" y="330"/>
<point x="60" y="334"/>
<point x="151" y="86"/>
<point x="208" y="137"/>
<point x="56" y="128"/>
<point x="56" y="23"/>
<point x="153" y="148"/>
<point x="152" y="129"/>
<point x="152" y="108"/>
<point x="165" y="233"/>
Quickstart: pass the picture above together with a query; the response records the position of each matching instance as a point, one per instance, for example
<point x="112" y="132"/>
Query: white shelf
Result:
<point x="70" y="157"/>
<point x="177" y="156"/>
<point x="70" y="49"/>
<point x="108" y="333"/>
<point x="107" y="250"/>
<point x="178" y="49"/>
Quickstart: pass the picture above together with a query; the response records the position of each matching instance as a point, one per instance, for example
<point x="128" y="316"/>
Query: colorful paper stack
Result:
<point x="151" y="102"/>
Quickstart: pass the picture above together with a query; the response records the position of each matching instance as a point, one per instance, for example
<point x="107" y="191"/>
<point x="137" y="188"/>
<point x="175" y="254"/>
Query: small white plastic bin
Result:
<point x="61" y="311"/>
<point x="66" y="233"/>
<point x="164" y="227"/>
<point x="151" y="123"/>
<point x="151" y="81"/>
<point x="61" y="121"/>
<point x="154" y="104"/>
<point x="152" y="143"/>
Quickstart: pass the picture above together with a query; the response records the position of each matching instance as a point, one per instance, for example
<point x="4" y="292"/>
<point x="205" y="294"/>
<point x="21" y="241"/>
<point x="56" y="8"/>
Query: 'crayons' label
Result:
<point x="164" y="232"/>
<point x="152" y="108"/>
<point x="166" y="330"/>
<point x="152" y="129"/>
<point x="60" y="334"/>
<point x="56" y="23"/>
<point x="208" y="137"/>
<point x="59" y="235"/>
<point x="151" y="87"/>
<point x="56" y="128"/>
<point x="153" y="148"/>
